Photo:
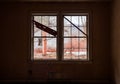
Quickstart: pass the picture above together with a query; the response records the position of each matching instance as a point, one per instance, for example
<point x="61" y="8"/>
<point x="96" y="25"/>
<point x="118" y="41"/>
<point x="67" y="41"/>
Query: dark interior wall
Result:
<point x="15" y="28"/>
<point x="14" y="41"/>
<point x="115" y="33"/>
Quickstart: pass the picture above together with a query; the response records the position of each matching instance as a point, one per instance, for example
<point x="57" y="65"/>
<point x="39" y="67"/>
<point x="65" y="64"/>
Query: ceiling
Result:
<point x="56" y="0"/>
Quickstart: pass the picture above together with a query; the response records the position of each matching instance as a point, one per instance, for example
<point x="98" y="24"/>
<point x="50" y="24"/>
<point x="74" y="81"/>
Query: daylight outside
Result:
<point x="74" y="34"/>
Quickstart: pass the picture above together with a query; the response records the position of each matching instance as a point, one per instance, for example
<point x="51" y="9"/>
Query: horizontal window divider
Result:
<point x="60" y="37"/>
<point x="75" y="48"/>
<point x="73" y="26"/>
<point x="44" y="37"/>
<point x="74" y="37"/>
<point x="49" y="26"/>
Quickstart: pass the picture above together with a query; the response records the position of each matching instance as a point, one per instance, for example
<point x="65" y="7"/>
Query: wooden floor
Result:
<point x="53" y="82"/>
<point x="59" y="83"/>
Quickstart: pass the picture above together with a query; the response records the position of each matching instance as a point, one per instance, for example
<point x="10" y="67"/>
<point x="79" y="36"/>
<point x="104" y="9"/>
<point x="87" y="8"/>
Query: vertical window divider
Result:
<point x="58" y="40"/>
<point x="32" y="39"/>
<point x="87" y="36"/>
<point x="60" y="36"/>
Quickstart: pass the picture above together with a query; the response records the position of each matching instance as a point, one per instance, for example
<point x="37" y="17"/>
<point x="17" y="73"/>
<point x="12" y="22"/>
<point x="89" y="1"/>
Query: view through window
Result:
<point x="44" y="42"/>
<point x="75" y="37"/>
<point x="45" y="35"/>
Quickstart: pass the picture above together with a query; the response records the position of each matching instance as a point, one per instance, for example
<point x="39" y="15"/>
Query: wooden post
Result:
<point x="44" y="42"/>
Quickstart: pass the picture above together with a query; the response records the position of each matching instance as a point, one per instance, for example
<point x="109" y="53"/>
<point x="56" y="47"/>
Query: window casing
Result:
<point x="71" y="41"/>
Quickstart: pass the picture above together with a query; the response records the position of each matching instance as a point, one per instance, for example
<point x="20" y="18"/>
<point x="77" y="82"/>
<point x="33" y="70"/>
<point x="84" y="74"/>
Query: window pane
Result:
<point x="75" y="48"/>
<point x="67" y="48"/>
<point x="45" y="20"/>
<point x="44" y="41"/>
<point x="66" y="23"/>
<point x="67" y="31"/>
<point x="82" y="21"/>
<point x="75" y="26"/>
<point x="52" y="21"/>
<point x="84" y="30"/>
<point x="37" y="18"/>
<point x="48" y="21"/>
<point x="83" y="54"/>
<point x="44" y="48"/>
<point x="75" y="38"/>
<point x="37" y="32"/>
<point x="82" y="48"/>
<point x="54" y="28"/>
<point x="74" y="31"/>
<point x="75" y="20"/>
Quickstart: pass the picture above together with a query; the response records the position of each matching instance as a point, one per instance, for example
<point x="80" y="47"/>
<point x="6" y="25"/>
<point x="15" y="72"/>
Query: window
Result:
<point x="44" y="43"/>
<point x="46" y="37"/>
<point x="75" y="37"/>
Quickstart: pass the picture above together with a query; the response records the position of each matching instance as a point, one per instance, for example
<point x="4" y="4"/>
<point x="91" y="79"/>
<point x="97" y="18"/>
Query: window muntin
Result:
<point x="44" y="42"/>
<point x="75" y="37"/>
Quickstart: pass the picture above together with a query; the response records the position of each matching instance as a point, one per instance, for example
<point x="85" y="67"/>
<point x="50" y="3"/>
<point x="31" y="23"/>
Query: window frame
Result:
<point x="32" y="35"/>
<point x="60" y="27"/>
<point x="87" y="33"/>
